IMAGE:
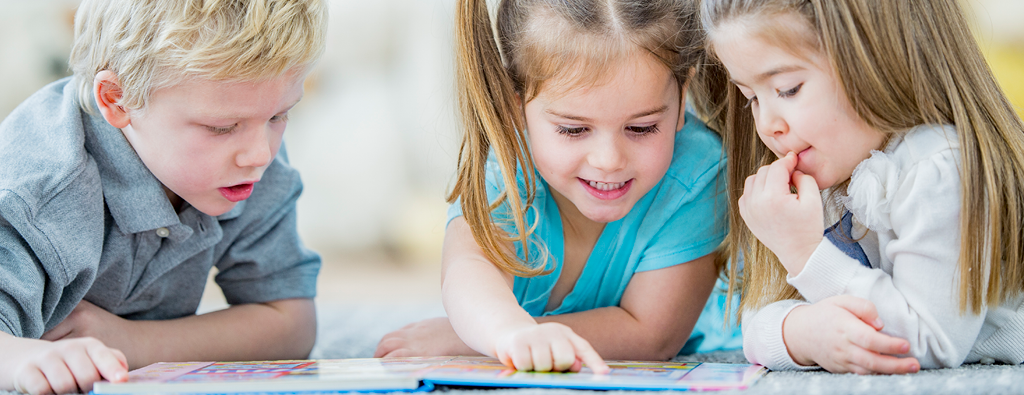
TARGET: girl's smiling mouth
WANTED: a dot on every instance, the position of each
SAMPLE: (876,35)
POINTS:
(605,190)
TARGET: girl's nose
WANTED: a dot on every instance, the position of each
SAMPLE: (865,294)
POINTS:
(607,154)
(770,123)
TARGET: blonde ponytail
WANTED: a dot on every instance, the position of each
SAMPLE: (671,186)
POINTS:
(492,118)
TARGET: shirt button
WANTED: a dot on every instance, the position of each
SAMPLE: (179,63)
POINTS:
(163,232)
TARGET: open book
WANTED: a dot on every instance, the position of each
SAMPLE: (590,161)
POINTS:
(419,374)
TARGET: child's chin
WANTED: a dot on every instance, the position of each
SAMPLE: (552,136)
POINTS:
(215,209)
(606,216)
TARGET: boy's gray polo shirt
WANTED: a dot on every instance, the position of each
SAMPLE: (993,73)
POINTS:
(81,217)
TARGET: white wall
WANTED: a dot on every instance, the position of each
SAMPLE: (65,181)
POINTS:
(376,136)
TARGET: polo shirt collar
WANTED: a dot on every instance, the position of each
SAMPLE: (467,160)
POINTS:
(135,198)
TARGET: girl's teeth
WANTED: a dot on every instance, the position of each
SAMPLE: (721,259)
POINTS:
(603,186)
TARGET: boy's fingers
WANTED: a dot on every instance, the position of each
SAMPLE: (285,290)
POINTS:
(121,358)
(588,355)
(83,370)
(59,377)
(32,381)
(110,363)
(861,308)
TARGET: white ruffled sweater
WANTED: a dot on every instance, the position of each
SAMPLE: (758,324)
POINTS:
(906,205)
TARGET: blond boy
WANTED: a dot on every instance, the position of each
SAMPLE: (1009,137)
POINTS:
(122,186)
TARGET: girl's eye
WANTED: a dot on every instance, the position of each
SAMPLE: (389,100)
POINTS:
(221,130)
(643,130)
(279,118)
(571,132)
(791,92)
(751,100)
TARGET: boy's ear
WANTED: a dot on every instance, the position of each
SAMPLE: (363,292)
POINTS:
(107,89)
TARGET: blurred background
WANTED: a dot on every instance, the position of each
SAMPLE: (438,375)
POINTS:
(376,136)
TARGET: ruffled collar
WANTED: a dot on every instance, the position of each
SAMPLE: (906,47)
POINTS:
(875,180)
(872,186)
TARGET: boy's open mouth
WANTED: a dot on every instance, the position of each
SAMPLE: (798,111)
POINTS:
(237,193)
(606,190)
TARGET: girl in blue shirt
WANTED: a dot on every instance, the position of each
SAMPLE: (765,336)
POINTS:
(589,204)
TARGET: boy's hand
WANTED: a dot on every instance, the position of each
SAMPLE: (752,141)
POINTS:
(430,337)
(547,347)
(841,334)
(65,366)
(791,225)
(89,320)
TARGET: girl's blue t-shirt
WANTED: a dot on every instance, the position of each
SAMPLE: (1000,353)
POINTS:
(682,218)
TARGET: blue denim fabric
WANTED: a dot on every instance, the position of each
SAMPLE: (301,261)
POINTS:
(843,240)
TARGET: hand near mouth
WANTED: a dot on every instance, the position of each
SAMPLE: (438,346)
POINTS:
(790,224)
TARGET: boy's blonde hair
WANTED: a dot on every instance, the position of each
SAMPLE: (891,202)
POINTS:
(151,44)
(901,63)
(574,42)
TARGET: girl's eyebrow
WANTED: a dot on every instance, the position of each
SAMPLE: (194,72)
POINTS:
(769,74)
(641,114)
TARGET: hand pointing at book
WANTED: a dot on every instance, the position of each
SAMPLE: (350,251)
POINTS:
(546,347)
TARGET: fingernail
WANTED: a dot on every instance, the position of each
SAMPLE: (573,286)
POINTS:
(914,368)
(878,323)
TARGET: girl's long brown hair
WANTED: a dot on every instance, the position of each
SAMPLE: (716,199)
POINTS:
(901,63)
(543,40)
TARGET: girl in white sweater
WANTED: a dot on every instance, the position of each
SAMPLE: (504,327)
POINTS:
(911,255)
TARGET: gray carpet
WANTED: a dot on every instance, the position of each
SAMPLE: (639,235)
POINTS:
(352,331)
